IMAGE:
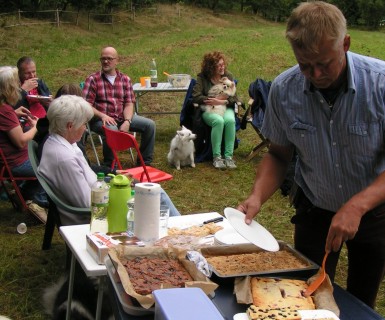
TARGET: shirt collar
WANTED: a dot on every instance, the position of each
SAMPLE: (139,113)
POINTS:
(73,147)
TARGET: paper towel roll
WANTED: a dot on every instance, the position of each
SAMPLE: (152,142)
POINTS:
(146,211)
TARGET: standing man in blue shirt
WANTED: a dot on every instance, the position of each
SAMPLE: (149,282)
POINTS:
(330,109)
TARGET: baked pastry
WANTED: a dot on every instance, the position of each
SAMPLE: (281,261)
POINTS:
(198,231)
(246,263)
(256,313)
(148,274)
(270,293)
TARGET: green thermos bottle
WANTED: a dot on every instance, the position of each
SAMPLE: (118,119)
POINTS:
(120,193)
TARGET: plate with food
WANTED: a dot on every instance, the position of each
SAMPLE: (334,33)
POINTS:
(240,260)
(282,298)
(38,97)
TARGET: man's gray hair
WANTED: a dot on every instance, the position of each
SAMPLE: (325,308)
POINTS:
(312,22)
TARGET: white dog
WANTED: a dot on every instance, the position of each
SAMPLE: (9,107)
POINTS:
(182,149)
(225,87)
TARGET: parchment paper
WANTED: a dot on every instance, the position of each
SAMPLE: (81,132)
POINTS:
(146,301)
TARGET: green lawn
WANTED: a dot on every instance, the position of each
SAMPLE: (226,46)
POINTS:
(254,48)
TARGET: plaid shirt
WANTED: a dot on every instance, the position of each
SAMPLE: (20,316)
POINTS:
(108,98)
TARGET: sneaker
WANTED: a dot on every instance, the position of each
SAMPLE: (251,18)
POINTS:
(230,163)
(219,163)
(37,211)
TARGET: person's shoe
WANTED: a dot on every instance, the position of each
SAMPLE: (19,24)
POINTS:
(218,163)
(37,211)
(230,163)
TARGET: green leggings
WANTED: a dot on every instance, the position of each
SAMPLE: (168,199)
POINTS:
(221,125)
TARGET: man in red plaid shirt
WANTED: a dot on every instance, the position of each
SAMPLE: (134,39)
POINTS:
(111,95)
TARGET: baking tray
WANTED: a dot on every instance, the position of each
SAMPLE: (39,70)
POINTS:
(125,300)
(310,269)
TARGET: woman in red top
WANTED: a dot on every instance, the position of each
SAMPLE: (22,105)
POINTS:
(13,140)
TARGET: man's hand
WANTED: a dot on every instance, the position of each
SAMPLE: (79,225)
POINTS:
(343,227)
(44,101)
(30,84)
(108,120)
(125,127)
(250,207)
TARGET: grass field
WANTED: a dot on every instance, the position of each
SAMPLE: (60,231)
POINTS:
(254,48)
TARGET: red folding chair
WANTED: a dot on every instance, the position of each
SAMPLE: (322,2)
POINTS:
(121,141)
(7,176)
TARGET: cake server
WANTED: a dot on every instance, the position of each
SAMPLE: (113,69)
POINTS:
(318,281)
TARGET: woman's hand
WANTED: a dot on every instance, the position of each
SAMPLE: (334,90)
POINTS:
(215,101)
(22,112)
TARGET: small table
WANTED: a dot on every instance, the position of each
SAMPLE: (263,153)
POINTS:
(139,91)
(75,238)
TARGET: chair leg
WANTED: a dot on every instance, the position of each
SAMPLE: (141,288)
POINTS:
(94,148)
(18,206)
(49,228)
(89,133)
(257,149)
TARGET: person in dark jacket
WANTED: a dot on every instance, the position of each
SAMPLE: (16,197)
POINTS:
(35,94)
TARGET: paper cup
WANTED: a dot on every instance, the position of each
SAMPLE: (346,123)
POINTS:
(22,228)
(148,83)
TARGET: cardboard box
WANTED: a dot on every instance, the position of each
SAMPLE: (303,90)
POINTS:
(98,243)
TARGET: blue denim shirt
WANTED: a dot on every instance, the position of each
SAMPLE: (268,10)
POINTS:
(341,151)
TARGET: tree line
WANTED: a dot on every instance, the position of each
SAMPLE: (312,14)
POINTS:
(367,13)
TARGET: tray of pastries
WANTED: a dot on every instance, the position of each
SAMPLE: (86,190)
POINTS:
(282,298)
(129,304)
(144,269)
(248,259)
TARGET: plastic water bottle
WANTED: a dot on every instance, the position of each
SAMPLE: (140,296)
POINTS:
(153,74)
(130,214)
(99,205)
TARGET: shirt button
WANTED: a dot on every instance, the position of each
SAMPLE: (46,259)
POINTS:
(302,135)
(337,165)
(334,143)
(331,121)
(340,186)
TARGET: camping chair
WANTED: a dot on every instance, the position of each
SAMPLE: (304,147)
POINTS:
(53,217)
(89,133)
(191,118)
(7,176)
(259,93)
(121,141)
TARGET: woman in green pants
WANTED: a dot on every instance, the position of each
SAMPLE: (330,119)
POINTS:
(213,69)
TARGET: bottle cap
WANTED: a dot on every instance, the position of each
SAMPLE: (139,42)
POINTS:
(21,228)
(100,175)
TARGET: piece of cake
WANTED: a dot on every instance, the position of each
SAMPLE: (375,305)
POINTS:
(257,313)
(270,293)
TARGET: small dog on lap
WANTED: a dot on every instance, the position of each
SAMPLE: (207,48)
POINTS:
(225,87)
(182,149)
